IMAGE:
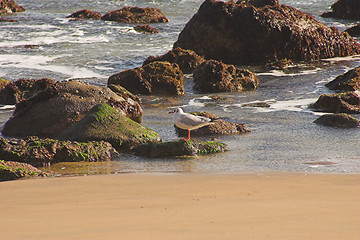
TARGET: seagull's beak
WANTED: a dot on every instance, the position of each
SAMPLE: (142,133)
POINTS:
(172,111)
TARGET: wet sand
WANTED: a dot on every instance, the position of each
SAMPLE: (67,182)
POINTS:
(182,206)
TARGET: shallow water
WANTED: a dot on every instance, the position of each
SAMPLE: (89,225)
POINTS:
(46,44)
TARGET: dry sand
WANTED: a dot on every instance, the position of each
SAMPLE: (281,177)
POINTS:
(182,206)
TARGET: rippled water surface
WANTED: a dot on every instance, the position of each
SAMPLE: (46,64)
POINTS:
(43,43)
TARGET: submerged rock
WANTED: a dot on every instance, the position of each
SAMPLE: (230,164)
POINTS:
(354,31)
(42,152)
(179,148)
(338,103)
(187,60)
(349,81)
(214,76)
(22,89)
(9,6)
(154,78)
(10,170)
(338,120)
(240,33)
(145,29)
(85,14)
(344,9)
(219,127)
(106,123)
(50,111)
(136,15)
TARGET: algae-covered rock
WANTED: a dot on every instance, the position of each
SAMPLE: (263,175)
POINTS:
(85,14)
(145,29)
(338,103)
(215,76)
(62,104)
(187,60)
(9,6)
(338,120)
(10,170)
(219,127)
(136,15)
(42,152)
(154,78)
(106,123)
(349,81)
(179,148)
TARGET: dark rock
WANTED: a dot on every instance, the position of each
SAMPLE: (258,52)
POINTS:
(280,64)
(262,3)
(338,103)
(154,78)
(9,6)
(85,14)
(344,9)
(136,15)
(123,92)
(354,31)
(42,152)
(239,33)
(106,123)
(219,127)
(214,76)
(187,60)
(7,20)
(338,120)
(349,81)
(22,89)
(10,170)
(50,111)
(145,29)
(179,148)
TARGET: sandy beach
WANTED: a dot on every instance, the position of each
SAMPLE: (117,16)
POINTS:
(182,206)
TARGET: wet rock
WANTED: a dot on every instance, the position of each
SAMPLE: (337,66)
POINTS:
(22,89)
(344,9)
(338,103)
(349,81)
(50,111)
(187,60)
(42,152)
(214,76)
(262,3)
(179,148)
(280,64)
(85,14)
(219,127)
(354,31)
(239,33)
(106,123)
(338,120)
(7,20)
(10,170)
(9,6)
(136,15)
(145,29)
(154,78)
(123,92)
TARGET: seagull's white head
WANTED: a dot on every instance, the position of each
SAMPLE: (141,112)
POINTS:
(177,110)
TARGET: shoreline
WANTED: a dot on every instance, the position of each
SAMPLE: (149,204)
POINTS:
(269,205)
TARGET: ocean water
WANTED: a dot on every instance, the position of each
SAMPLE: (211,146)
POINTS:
(43,43)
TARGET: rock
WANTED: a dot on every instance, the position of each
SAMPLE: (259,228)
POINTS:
(354,31)
(349,81)
(22,89)
(239,33)
(106,123)
(187,60)
(280,64)
(338,103)
(179,148)
(219,127)
(338,120)
(154,78)
(9,6)
(344,9)
(50,111)
(145,29)
(136,15)
(121,91)
(42,152)
(214,76)
(262,3)
(85,14)
(10,170)
(7,20)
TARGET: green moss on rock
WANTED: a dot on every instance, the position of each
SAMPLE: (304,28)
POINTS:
(10,170)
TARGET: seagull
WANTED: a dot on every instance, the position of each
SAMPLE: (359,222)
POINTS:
(188,121)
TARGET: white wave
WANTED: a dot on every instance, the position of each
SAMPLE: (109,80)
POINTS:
(44,63)
(279,73)
(339,59)
(7,107)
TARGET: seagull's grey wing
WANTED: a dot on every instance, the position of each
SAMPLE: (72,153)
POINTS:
(186,121)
